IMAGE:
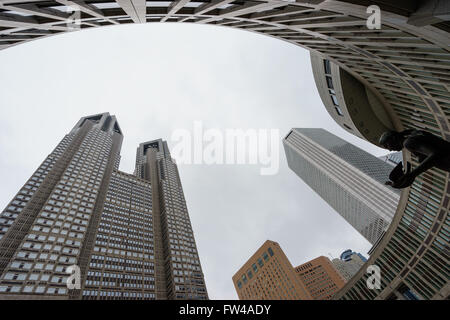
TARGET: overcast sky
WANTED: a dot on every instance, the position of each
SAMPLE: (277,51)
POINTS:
(157,78)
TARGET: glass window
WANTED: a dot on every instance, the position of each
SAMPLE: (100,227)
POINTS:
(329,82)
(34,276)
(339,111)
(326,66)
(10,276)
(334,99)
(40,289)
(28,289)
(347,127)
(260,262)
(270,251)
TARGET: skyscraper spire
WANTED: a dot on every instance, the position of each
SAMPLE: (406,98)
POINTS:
(349,179)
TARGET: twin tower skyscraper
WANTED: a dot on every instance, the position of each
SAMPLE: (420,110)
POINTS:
(129,234)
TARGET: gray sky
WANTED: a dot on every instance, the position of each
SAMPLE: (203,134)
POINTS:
(160,77)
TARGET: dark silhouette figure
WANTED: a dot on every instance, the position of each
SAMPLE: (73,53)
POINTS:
(431,151)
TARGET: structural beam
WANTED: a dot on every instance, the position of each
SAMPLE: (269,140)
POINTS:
(208,7)
(86,8)
(430,12)
(15,21)
(242,10)
(136,9)
(176,5)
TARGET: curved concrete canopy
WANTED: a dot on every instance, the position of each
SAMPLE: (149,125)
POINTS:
(405,63)
(349,102)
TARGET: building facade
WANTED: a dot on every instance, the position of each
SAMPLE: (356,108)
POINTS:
(129,235)
(349,179)
(268,275)
(320,278)
(349,264)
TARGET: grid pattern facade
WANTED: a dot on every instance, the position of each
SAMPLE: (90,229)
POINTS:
(415,248)
(349,179)
(53,239)
(268,275)
(9,215)
(320,278)
(122,263)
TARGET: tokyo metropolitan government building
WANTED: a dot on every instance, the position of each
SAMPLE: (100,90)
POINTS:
(129,234)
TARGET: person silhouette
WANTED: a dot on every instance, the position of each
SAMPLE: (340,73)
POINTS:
(432,151)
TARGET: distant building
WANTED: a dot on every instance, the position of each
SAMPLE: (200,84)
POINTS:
(393,158)
(320,278)
(349,263)
(268,275)
(347,255)
(349,179)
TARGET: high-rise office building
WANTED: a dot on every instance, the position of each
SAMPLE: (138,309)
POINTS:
(130,235)
(320,278)
(349,263)
(349,179)
(268,275)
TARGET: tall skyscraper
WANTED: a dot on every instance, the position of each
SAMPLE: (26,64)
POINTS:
(349,179)
(349,263)
(268,275)
(130,235)
(320,278)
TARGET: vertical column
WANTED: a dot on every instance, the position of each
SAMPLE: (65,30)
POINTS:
(151,173)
